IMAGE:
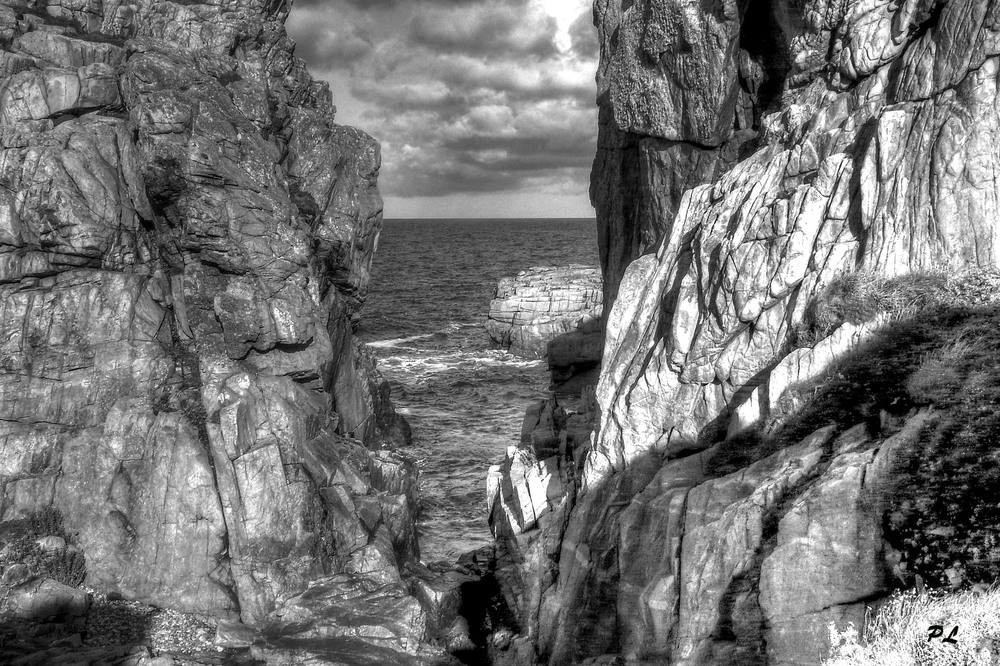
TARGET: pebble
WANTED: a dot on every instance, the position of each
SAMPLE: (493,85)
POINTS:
(115,621)
(120,633)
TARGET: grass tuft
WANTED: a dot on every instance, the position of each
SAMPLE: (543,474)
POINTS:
(860,296)
(940,347)
(897,633)
(18,547)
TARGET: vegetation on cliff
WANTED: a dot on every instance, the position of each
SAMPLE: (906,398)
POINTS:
(899,633)
(937,348)
(41,546)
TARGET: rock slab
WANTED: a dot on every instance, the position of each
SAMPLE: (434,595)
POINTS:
(539,305)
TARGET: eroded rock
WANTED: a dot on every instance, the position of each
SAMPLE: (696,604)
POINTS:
(185,236)
(46,599)
(541,304)
(749,159)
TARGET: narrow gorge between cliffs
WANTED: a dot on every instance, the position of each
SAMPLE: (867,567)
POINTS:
(247,421)
(465,398)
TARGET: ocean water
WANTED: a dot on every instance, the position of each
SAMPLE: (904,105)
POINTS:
(431,285)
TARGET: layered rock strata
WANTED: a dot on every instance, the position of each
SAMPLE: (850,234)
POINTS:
(542,304)
(185,237)
(555,314)
(751,158)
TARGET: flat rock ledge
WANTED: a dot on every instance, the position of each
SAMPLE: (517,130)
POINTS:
(552,313)
(341,619)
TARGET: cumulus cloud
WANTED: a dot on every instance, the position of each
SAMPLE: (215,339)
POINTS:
(489,30)
(465,96)
(583,36)
(327,43)
(332,46)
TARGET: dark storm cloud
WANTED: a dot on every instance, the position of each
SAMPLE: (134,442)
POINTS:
(524,82)
(453,83)
(491,149)
(320,42)
(381,4)
(427,179)
(409,98)
(584,36)
(526,152)
(368,4)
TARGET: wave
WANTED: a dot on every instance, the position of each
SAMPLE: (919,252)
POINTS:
(434,360)
(395,342)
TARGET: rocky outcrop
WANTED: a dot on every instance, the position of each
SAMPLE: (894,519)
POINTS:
(751,160)
(185,236)
(528,497)
(574,358)
(555,314)
(540,305)
(536,473)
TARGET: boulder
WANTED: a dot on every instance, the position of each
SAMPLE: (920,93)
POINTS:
(574,358)
(447,593)
(535,475)
(351,606)
(229,634)
(521,489)
(46,599)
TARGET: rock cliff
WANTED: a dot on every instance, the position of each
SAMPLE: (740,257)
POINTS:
(185,238)
(795,200)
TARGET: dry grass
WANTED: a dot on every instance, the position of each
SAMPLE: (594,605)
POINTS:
(18,546)
(897,633)
(861,296)
(940,347)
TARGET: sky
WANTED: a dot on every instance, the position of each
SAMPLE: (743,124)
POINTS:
(483,108)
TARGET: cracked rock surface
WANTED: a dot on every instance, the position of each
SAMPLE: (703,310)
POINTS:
(540,304)
(751,155)
(185,242)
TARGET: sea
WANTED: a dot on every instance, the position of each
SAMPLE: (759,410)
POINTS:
(430,291)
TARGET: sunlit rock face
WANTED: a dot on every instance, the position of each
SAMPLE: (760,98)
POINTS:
(541,304)
(750,155)
(185,238)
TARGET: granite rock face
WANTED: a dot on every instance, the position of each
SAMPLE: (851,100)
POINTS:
(185,237)
(750,156)
(539,305)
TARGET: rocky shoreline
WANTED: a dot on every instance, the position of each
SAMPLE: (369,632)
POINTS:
(337,620)
(796,412)
(789,268)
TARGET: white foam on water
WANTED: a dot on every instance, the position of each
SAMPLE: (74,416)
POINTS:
(500,357)
(431,362)
(385,344)
(422,366)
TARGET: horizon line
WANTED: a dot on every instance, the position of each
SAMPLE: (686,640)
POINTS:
(522,217)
